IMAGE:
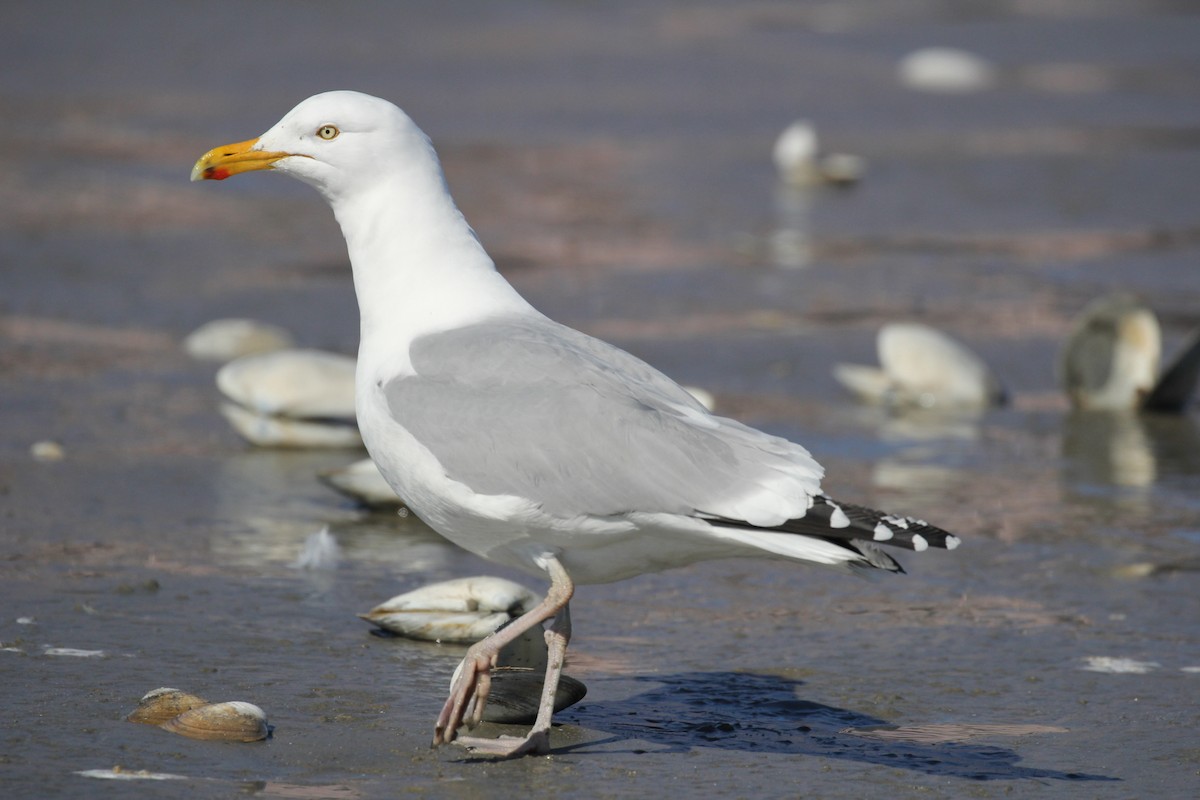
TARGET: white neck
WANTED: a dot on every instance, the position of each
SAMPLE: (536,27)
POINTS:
(418,267)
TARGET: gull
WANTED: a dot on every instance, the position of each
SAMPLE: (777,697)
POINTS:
(522,440)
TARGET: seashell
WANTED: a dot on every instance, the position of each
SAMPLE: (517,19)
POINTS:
(47,450)
(363,482)
(307,384)
(703,397)
(269,431)
(946,69)
(460,610)
(516,693)
(227,339)
(800,162)
(232,721)
(921,366)
(160,705)
(1110,359)
(291,398)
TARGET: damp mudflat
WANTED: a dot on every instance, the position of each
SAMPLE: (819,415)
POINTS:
(615,159)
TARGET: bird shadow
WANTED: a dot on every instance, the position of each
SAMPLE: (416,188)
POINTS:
(762,714)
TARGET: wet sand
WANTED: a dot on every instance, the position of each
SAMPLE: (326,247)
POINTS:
(616,161)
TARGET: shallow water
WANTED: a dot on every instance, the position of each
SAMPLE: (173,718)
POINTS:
(615,160)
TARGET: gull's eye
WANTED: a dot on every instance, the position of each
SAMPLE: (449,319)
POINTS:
(328,132)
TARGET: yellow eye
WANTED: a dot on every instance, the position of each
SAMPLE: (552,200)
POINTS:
(328,132)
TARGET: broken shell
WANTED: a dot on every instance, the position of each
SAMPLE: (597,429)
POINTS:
(516,693)
(232,721)
(160,705)
(460,610)
(225,339)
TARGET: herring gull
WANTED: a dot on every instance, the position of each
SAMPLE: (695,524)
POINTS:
(522,440)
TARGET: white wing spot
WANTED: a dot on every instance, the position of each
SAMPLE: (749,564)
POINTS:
(952,542)
(838,518)
(919,542)
(883,532)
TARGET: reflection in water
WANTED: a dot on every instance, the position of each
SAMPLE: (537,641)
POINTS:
(1128,451)
(925,436)
(1109,449)
(270,503)
(791,242)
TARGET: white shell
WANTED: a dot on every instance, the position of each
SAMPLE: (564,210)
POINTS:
(225,339)
(232,721)
(292,383)
(921,366)
(460,610)
(516,694)
(1110,360)
(159,705)
(945,69)
(799,161)
(362,481)
(272,431)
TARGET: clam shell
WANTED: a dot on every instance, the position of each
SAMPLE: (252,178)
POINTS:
(268,431)
(292,383)
(1110,360)
(232,721)
(460,610)
(516,693)
(225,339)
(160,705)
(921,366)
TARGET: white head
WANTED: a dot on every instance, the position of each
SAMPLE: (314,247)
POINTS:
(335,142)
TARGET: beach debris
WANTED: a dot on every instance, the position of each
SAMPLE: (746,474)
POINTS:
(119,773)
(946,69)
(162,704)
(1110,361)
(800,162)
(291,398)
(516,692)
(458,610)
(1116,665)
(231,721)
(227,339)
(47,450)
(189,715)
(363,482)
(923,367)
(72,652)
(320,552)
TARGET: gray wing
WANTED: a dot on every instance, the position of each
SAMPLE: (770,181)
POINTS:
(538,410)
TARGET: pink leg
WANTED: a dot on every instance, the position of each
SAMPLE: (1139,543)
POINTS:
(474,678)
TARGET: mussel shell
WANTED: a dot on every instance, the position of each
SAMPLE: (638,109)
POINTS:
(517,692)
(232,721)
(160,705)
